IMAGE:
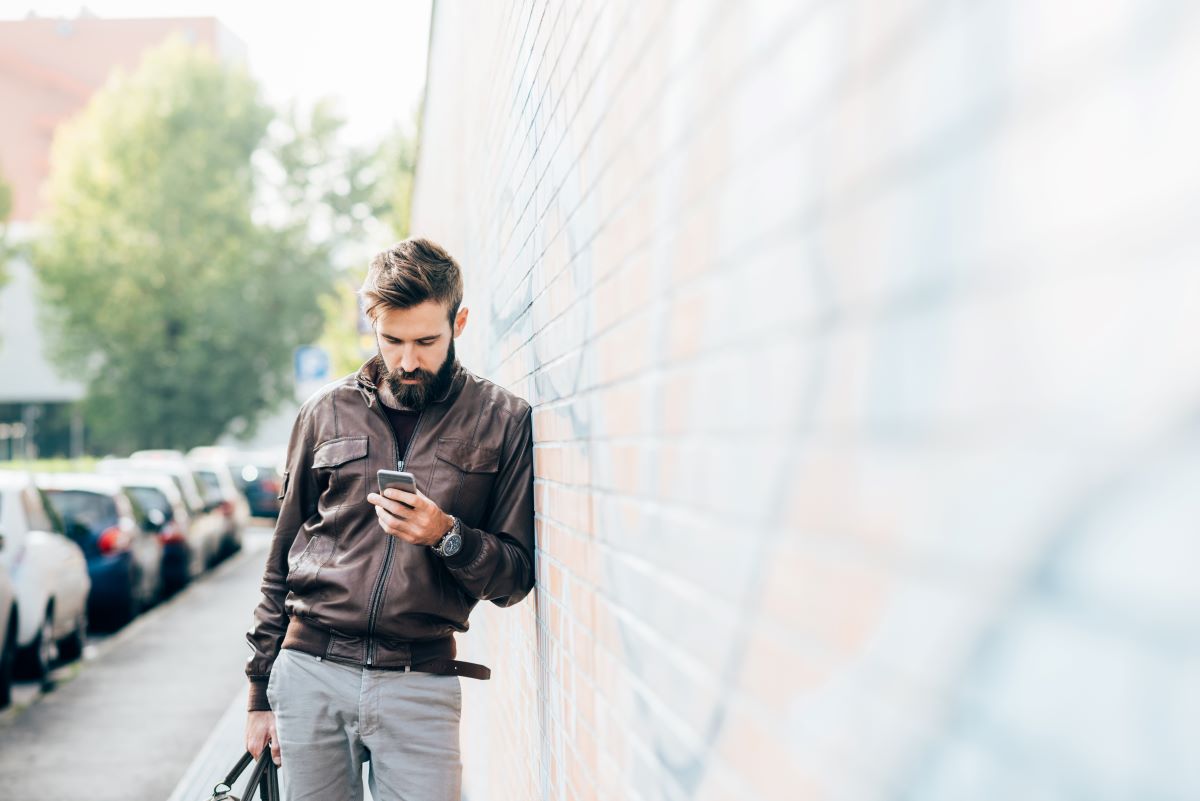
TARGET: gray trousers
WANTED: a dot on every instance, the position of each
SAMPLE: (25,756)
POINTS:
(331,718)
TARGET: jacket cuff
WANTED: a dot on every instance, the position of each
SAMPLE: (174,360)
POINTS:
(471,546)
(258,696)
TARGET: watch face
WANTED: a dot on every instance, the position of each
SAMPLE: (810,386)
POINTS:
(452,544)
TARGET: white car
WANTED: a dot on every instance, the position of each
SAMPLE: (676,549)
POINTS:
(184,545)
(49,576)
(216,479)
(206,527)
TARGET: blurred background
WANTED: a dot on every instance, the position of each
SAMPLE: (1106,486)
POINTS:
(861,337)
(188,200)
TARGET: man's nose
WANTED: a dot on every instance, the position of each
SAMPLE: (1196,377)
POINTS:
(408,360)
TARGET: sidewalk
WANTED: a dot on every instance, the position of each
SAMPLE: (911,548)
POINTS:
(132,720)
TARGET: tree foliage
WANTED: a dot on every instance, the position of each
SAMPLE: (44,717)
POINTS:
(5,210)
(190,239)
(384,187)
(398,164)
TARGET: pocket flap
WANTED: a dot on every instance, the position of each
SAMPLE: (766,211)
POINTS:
(467,457)
(339,451)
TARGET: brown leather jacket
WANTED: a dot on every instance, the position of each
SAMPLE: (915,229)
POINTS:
(337,585)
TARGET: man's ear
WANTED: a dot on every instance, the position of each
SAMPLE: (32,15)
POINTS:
(460,321)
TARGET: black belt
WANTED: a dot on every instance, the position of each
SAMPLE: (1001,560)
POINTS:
(380,653)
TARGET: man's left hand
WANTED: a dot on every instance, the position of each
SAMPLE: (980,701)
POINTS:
(423,524)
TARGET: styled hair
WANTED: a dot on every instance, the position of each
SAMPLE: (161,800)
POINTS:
(409,273)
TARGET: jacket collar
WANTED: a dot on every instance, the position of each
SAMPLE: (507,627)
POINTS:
(368,379)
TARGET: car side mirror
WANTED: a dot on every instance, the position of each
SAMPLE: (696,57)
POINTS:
(156,518)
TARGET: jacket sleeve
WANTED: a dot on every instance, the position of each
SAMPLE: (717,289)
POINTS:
(299,501)
(496,562)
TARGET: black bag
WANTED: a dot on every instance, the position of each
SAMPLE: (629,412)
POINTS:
(265,776)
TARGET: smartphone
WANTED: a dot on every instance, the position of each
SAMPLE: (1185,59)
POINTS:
(397,479)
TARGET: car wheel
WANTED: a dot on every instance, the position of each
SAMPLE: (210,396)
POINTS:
(71,648)
(34,662)
(8,650)
(173,583)
(127,608)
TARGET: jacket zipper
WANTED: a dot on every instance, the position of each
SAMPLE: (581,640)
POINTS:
(377,595)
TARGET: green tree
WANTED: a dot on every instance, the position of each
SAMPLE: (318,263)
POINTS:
(382,200)
(183,259)
(5,210)
(346,347)
(398,164)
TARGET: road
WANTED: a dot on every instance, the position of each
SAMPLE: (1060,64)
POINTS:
(127,722)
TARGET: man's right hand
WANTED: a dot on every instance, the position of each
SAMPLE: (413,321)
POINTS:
(260,730)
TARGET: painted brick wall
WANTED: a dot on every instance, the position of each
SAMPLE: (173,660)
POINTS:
(864,343)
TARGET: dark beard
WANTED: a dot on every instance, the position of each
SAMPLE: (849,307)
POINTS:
(432,385)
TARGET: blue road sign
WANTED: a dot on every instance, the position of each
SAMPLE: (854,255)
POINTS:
(311,364)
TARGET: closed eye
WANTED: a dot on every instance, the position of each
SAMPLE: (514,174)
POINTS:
(427,341)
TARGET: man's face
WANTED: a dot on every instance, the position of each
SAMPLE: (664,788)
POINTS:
(417,349)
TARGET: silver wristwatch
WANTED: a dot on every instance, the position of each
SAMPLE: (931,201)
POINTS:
(450,543)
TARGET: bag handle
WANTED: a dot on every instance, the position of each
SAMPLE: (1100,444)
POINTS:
(268,790)
(263,777)
(232,776)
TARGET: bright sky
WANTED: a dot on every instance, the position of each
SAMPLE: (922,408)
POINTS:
(368,54)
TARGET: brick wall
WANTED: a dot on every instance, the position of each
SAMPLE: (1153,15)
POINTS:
(864,343)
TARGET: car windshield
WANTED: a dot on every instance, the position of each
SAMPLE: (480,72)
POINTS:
(211,483)
(187,497)
(92,510)
(149,498)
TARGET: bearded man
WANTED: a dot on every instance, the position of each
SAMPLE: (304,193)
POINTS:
(353,639)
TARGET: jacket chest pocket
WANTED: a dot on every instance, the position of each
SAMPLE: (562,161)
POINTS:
(466,474)
(341,466)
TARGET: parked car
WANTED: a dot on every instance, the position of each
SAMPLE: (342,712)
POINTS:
(217,482)
(207,525)
(260,478)
(124,562)
(49,576)
(8,629)
(258,475)
(164,514)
